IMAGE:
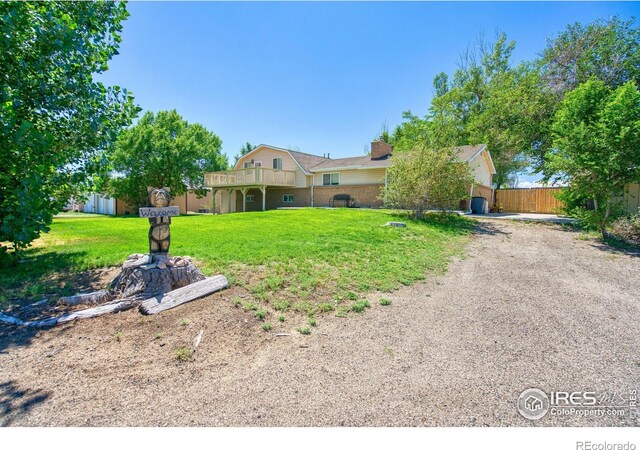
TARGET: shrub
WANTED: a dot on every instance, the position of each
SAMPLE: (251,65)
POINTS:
(260,314)
(266,326)
(312,321)
(304,330)
(385,301)
(627,229)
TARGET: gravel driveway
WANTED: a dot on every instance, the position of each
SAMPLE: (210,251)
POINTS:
(529,306)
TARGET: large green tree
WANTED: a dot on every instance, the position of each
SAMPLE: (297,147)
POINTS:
(56,120)
(608,50)
(487,101)
(596,146)
(163,150)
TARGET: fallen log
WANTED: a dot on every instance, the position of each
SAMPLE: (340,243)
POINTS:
(182,295)
(112,307)
(92,298)
(10,320)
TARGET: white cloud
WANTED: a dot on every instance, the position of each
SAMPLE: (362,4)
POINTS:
(529,184)
(532,184)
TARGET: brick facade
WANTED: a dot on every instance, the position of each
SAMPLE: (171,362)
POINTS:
(255,205)
(362,195)
(365,195)
(301,197)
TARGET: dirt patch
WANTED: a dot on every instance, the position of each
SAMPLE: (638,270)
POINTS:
(528,306)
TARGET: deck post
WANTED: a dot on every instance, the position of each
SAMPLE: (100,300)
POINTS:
(263,189)
(244,199)
(229,191)
(213,201)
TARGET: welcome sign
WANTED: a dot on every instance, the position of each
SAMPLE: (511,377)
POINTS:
(167,211)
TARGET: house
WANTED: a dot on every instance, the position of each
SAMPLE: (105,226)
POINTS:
(100,204)
(270,177)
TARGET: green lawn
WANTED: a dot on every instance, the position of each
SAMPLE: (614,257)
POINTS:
(292,259)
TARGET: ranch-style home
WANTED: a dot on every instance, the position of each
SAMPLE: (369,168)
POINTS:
(270,177)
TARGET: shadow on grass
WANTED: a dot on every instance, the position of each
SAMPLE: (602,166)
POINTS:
(37,274)
(451,223)
(15,402)
(616,247)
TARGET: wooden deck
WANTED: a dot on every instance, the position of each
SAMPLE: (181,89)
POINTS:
(255,176)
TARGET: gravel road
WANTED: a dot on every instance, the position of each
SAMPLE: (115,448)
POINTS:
(528,306)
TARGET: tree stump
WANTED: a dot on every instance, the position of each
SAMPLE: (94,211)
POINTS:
(142,277)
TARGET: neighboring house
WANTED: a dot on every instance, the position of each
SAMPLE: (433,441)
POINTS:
(270,177)
(100,204)
(186,203)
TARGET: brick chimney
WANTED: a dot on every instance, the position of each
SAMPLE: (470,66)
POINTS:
(380,150)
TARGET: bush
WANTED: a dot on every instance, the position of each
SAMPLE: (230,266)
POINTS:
(627,228)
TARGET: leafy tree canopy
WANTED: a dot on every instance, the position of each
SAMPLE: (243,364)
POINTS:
(596,145)
(487,101)
(605,49)
(163,150)
(56,121)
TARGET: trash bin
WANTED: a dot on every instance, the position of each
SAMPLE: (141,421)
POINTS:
(478,205)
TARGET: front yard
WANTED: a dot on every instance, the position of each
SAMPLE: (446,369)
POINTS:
(288,260)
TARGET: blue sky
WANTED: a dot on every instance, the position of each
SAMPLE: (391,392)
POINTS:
(318,77)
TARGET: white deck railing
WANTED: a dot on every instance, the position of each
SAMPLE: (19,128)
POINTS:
(251,177)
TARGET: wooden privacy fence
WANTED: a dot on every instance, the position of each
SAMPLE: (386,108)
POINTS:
(529,200)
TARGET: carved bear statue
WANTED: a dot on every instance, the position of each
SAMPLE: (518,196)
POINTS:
(159,237)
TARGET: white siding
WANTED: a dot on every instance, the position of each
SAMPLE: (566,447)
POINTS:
(301,178)
(481,170)
(355,177)
(99,204)
(266,155)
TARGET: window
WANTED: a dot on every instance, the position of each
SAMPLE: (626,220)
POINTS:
(251,198)
(277,163)
(251,164)
(330,179)
(287,198)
